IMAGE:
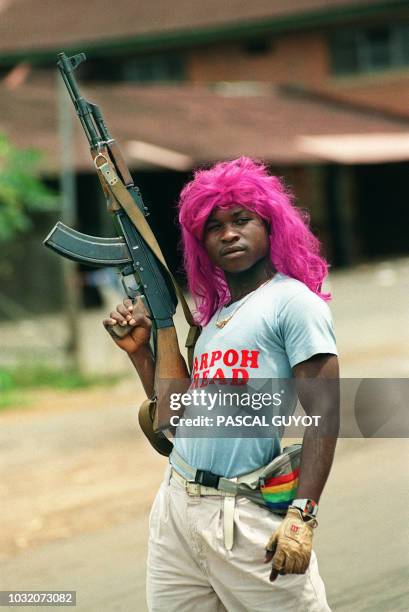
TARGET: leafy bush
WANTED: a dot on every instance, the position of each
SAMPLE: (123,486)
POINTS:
(21,191)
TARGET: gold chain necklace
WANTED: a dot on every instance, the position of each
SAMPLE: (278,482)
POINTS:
(220,324)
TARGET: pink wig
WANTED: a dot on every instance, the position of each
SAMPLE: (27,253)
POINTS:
(294,250)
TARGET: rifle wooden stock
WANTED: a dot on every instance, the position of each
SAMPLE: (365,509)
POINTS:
(169,361)
(170,365)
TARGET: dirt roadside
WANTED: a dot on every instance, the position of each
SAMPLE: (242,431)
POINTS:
(73,462)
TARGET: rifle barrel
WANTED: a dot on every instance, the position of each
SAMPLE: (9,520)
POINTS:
(84,109)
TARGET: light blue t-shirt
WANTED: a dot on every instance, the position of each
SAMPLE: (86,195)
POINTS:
(276,327)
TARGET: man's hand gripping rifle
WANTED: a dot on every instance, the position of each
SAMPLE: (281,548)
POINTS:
(136,253)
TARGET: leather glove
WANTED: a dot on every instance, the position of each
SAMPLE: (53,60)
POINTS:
(290,545)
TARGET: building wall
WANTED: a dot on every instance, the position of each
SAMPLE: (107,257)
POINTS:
(282,62)
(302,58)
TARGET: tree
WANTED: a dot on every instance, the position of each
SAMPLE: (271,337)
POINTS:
(21,191)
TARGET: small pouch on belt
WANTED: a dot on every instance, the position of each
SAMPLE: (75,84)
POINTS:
(279,480)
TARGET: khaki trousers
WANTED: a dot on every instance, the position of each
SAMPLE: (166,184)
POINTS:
(190,570)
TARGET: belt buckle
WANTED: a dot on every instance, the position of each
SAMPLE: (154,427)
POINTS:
(192,488)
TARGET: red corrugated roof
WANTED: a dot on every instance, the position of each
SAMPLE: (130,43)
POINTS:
(194,121)
(52,24)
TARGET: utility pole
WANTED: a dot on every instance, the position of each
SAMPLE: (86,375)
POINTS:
(72,295)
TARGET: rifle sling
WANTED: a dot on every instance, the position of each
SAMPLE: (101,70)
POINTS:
(125,200)
(146,418)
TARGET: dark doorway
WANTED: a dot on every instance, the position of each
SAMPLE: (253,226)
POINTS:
(160,192)
(382,209)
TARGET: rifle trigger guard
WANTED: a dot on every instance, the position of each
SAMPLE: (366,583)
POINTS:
(107,171)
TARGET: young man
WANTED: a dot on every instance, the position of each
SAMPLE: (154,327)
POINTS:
(254,270)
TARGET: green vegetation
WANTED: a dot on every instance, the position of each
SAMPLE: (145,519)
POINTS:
(17,382)
(21,191)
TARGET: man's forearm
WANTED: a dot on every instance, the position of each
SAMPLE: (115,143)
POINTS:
(144,364)
(317,381)
(316,461)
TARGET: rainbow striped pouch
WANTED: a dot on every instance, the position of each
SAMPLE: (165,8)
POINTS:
(279,480)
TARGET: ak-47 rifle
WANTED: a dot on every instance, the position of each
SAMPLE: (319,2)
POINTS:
(136,253)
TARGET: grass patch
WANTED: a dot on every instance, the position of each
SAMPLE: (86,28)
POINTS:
(16,381)
(11,399)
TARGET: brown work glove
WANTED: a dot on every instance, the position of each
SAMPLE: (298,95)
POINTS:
(290,545)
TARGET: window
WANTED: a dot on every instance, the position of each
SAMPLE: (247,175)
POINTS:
(355,51)
(257,46)
(141,69)
(159,68)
